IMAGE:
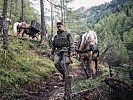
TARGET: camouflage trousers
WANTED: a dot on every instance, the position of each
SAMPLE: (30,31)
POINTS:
(58,63)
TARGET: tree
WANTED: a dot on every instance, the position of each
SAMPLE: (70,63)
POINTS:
(5,30)
(11,3)
(52,18)
(43,29)
(22,10)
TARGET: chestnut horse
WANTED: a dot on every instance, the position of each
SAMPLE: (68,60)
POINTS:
(88,53)
(23,27)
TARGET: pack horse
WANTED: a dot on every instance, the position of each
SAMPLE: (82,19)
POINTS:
(32,29)
(88,53)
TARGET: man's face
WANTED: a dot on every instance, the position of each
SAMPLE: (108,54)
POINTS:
(60,27)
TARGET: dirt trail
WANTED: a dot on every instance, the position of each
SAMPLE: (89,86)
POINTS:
(52,90)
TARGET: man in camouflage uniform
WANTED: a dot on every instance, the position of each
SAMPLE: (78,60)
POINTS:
(63,40)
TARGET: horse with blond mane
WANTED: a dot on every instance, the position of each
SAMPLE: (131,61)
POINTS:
(89,53)
(23,28)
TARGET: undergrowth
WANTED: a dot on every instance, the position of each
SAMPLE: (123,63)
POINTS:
(21,65)
(119,72)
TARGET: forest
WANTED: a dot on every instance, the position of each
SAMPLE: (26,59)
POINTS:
(27,71)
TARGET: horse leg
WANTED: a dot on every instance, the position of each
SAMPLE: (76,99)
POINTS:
(92,64)
(94,69)
(86,67)
(81,47)
(96,64)
(23,34)
(95,59)
(18,33)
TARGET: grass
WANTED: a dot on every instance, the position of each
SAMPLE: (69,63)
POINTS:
(88,83)
(121,73)
(20,65)
(85,84)
(75,62)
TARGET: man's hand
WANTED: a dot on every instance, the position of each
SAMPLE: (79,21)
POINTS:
(52,57)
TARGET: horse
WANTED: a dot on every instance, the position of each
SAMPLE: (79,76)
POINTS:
(23,27)
(88,55)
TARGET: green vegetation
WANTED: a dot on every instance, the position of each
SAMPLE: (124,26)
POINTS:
(85,84)
(88,83)
(29,12)
(21,65)
(115,38)
(113,25)
(121,72)
(75,62)
(116,30)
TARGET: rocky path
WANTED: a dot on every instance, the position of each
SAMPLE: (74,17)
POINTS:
(53,91)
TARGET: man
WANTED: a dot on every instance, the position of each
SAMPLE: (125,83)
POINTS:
(63,40)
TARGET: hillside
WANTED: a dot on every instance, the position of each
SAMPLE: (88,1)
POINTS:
(23,67)
(113,24)
(116,30)
(94,14)
(27,73)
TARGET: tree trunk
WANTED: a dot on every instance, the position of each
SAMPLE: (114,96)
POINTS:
(61,11)
(43,31)
(4,26)
(22,8)
(11,3)
(52,18)
(64,12)
(16,1)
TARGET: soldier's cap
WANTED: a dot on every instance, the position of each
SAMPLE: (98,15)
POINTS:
(59,23)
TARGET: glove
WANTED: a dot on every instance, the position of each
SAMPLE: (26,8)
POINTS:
(52,57)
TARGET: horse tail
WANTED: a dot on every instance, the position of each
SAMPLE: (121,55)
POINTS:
(15,28)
